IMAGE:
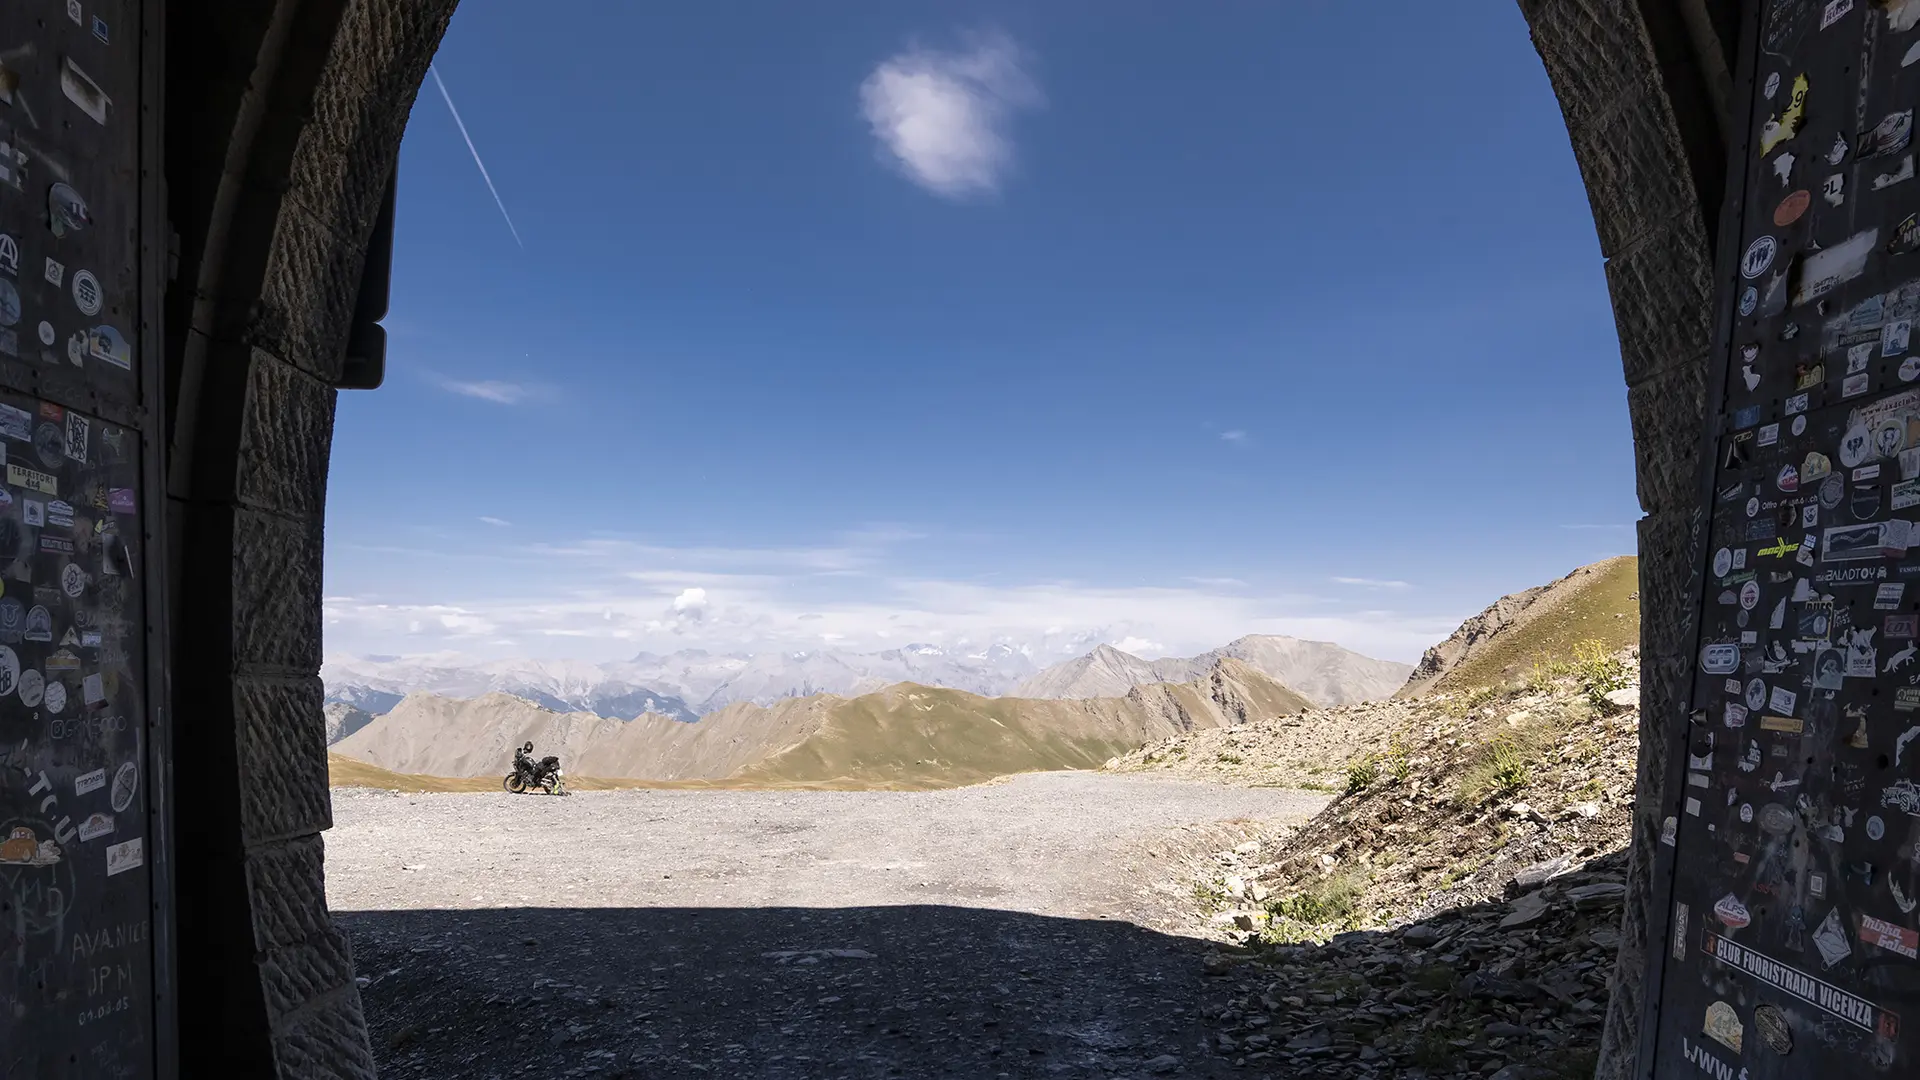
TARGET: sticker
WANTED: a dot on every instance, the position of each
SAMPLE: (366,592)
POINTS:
(1756,694)
(1680,911)
(1782,701)
(1887,598)
(1795,204)
(1827,269)
(1769,434)
(1854,385)
(87,783)
(1797,404)
(1731,912)
(73,11)
(100,30)
(1895,337)
(1720,659)
(126,780)
(1787,479)
(1749,300)
(1817,886)
(1779,129)
(9,303)
(1693,806)
(1772,86)
(1834,11)
(77,428)
(1749,595)
(86,290)
(1865,473)
(1855,445)
(1800,427)
(1831,939)
(1759,257)
(66,211)
(124,856)
(1783,167)
(73,580)
(1834,189)
(1722,562)
(19,476)
(96,826)
(55,699)
(1815,466)
(23,848)
(1723,1026)
(1889,136)
(1753,506)
(120,500)
(93,689)
(1888,179)
(1876,828)
(85,93)
(106,343)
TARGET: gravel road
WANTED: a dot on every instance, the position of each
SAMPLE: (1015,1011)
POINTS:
(992,931)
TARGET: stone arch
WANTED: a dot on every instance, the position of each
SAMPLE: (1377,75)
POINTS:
(283,125)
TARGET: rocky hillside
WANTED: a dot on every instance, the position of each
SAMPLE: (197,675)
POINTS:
(1453,911)
(1322,672)
(906,735)
(1599,602)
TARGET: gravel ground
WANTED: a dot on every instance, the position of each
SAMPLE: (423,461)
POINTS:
(991,931)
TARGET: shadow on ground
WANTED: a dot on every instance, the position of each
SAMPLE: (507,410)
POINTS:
(780,994)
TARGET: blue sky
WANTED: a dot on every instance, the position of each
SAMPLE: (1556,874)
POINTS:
(1054,324)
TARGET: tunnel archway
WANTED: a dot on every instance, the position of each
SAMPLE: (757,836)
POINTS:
(283,125)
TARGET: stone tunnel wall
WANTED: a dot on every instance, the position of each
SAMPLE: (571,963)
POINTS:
(1643,88)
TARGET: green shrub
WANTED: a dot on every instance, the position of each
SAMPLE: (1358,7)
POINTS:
(1362,773)
(1599,672)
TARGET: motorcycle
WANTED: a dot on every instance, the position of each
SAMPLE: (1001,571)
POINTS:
(528,774)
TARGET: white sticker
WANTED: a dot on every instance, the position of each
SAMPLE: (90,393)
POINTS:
(86,783)
(1782,701)
(1835,189)
(86,292)
(56,697)
(1693,806)
(1722,562)
(1800,423)
(1772,86)
(1835,10)
(126,780)
(1759,256)
(92,691)
(54,272)
(126,855)
(96,826)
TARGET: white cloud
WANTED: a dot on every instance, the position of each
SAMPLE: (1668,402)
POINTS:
(1236,437)
(942,117)
(690,600)
(494,390)
(1372,583)
(1139,646)
(496,522)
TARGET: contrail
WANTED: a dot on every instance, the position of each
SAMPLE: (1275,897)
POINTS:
(448,98)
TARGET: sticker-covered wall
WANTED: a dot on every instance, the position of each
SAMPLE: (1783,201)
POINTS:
(76,893)
(1792,945)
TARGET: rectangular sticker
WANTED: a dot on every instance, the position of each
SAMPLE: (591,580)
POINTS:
(32,479)
(1889,936)
(90,782)
(126,855)
(1680,931)
(1822,995)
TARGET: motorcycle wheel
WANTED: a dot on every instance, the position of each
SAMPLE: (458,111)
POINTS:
(516,784)
(550,784)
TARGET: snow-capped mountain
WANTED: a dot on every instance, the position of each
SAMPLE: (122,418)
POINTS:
(684,685)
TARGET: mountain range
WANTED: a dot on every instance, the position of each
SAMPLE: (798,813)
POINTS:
(906,735)
(693,683)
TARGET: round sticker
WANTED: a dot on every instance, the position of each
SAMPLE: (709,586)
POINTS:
(1756,695)
(1722,562)
(1876,828)
(1759,256)
(1753,505)
(46,332)
(1791,208)
(9,303)
(56,697)
(1814,466)
(1772,87)
(1776,820)
(73,580)
(50,445)
(86,292)
(126,780)
(1749,300)
(1854,445)
(9,671)
(1746,812)
(33,687)
(1749,595)
(1788,479)
(1910,369)
(1800,424)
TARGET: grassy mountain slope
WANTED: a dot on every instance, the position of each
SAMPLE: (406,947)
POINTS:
(1596,603)
(904,736)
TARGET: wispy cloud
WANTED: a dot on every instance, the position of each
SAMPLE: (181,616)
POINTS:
(495,390)
(1373,583)
(598,598)
(496,522)
(475,151)
(1235,436)
(943,117)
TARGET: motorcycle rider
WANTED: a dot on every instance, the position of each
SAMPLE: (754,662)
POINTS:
(523,759)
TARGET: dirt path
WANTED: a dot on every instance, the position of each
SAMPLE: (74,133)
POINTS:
(992,931)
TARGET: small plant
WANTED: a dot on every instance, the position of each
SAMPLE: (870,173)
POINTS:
(1326,905)
(1479,696)
(1505,769)
(1210,895)
(1599,672)
(1227,758)
(1362,773)
(1399,765)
